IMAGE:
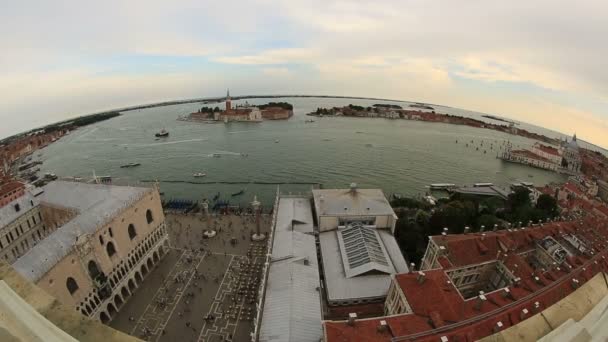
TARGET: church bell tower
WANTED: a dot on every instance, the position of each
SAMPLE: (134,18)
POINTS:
(228,102)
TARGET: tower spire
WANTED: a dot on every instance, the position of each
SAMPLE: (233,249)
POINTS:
(228,93)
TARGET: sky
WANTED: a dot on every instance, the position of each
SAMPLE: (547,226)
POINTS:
(539,61)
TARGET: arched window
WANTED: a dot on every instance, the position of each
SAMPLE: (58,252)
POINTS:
(71,285)
(110,231)
(149,216)
(101,240)
(93,269)
(132,233)
(110,249)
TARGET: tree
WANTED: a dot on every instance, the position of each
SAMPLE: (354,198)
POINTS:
(519,198)
(547,204)
(488,221)
(455,216)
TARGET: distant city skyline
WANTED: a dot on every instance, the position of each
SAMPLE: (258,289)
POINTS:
(530,61)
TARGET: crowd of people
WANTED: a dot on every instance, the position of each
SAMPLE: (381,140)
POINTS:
(198,271)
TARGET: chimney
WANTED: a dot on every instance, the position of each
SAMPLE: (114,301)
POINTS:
(412,266)
(498,326)
(353,188)
(467,229)
(480,299)
(483,235)
(352,317)
(523,314)
(383,326)
(495,227)
(482,228)
(444,339)
(506,293)
(421,277)
(575,283)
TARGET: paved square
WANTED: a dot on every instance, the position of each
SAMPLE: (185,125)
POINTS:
(203,289)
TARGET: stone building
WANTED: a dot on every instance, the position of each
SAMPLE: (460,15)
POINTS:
(471,286)
(110,237)
(358,251)
(21,226)
(571,156)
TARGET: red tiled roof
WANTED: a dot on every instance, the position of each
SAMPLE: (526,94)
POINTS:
(573,188)
(10,186)
(439,310)
(433,295)
(548,149)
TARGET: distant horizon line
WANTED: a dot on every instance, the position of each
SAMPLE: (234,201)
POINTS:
(241,97)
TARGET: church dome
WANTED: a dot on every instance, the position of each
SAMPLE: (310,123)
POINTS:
(573,144)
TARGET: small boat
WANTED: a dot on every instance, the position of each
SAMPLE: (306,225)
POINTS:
(216,155)
(162,134)
(130,165)
(276,141)
(442,186)
(244,155)
(309,121)
(50,176)
(238,193)
(369,145)
(199,174)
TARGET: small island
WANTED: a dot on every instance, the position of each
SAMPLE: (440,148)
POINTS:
(242,113)
(395,112)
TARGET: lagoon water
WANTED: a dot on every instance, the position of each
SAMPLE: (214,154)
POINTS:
(399,156)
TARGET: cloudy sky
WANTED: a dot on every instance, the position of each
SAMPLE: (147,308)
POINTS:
(539,61)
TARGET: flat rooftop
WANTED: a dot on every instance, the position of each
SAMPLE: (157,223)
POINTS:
(95,205)
(483,191)
(361,202)
(292,305)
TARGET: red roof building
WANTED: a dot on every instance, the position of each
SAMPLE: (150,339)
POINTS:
(10,190)
(474,285)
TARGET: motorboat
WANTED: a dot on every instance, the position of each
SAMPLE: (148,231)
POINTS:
(199,174)
(130,165)
(216,155)
(50,176)
(238,193)
(162,134)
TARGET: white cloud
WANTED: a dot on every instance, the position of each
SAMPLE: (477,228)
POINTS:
(56,54)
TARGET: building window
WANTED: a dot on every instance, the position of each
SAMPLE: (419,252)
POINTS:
(132,233)
(149,216)
(93,269)
(110,231)
(71,285)
(17,207)
(110,249)
(101,240)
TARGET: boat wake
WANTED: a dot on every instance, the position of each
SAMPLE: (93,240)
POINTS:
(164,143)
